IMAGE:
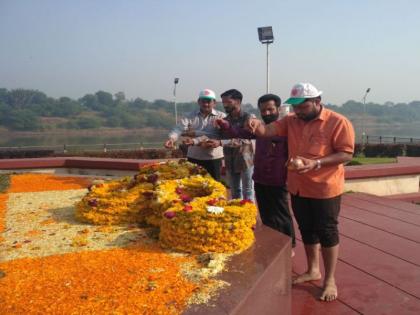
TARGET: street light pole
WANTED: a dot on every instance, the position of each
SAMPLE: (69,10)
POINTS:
(265,36)
(176,80)
(268,71)
(364,115)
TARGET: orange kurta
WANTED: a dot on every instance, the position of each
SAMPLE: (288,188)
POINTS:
(329,133)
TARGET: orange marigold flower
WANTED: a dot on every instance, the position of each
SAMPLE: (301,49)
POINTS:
(97,282)
(44,182)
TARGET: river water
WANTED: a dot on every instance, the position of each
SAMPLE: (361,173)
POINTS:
(156,138)
(145,139)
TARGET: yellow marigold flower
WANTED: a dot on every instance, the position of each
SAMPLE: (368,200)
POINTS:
(186,192)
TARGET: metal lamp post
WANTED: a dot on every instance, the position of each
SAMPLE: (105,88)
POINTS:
(364,115)
(265,35)
(176,80)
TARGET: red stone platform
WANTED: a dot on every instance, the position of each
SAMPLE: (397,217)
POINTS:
(75,162)
(404,166)
(413,197)
(378,271)
(259,278)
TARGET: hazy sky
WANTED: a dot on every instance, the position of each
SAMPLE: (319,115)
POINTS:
(74,47)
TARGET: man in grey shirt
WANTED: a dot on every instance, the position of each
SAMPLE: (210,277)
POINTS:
(199,127)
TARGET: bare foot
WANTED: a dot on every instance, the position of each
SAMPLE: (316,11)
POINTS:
(329,292)
(307,276)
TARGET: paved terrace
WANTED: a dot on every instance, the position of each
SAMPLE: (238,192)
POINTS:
(379,265)
(378,271)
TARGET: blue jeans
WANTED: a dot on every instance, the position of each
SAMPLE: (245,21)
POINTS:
(244,191)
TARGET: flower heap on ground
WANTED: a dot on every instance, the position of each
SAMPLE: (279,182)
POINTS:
(180,198)
(4,184)
(139,278)
(129,200)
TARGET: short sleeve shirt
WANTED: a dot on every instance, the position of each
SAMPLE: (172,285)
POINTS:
(203,126)
(329,133)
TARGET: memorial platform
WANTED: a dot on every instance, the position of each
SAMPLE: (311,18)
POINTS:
(378,271)
(385,179)
(259,278)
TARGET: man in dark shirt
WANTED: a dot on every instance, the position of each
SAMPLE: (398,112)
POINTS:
(239,153)
(269,168)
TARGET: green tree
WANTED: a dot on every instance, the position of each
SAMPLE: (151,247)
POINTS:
(19,98)
(119,98)
(23,119)
(3,95)
(66,107)
(88,122)
(162,104)
(4,113)
(130,120)
(104,98)
(352,107)
(113,122)
(90,101)
(140,103)
(159,119)
(39,98)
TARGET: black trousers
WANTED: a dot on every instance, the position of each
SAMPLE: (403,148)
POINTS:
(211,166)
(317,219)
(274,208)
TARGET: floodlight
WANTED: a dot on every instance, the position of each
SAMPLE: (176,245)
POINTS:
(265,34)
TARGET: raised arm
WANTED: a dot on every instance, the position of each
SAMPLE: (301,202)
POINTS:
(259,129)
(227,131)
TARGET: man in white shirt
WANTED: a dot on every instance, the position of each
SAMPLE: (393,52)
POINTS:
(199,125)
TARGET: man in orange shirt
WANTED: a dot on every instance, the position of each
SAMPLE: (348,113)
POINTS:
(319,142)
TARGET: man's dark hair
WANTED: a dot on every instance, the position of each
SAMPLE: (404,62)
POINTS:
(269,97)
(232,93)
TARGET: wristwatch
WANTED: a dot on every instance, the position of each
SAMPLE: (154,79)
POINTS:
(318,164)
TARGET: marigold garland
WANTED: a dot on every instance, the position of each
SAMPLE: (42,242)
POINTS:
(195,191)
(176,197)
(129,200)
(199,231)
(114,203)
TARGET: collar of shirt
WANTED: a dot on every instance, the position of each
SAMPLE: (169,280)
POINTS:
(241,114)
(213,113)
(322,114)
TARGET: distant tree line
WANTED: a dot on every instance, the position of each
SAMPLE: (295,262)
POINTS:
(32,110)
(386,113)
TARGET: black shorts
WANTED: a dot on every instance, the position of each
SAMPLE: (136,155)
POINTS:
(273,205)
(317,219)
